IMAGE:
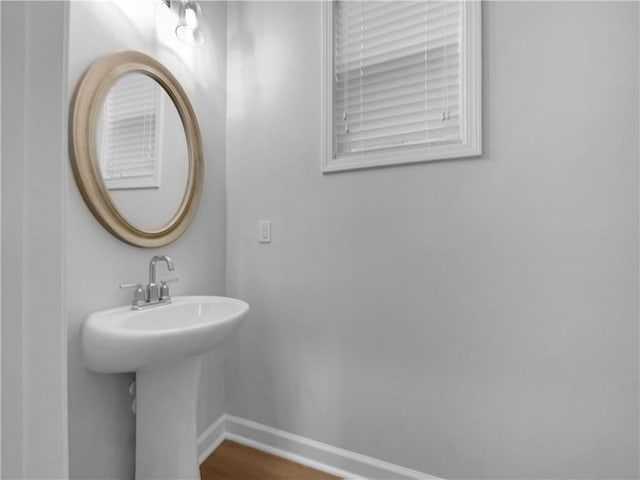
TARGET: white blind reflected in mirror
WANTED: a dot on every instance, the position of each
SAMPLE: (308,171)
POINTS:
(130,141)
(397,68)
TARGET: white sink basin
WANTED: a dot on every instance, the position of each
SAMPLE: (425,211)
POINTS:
(124,340)
(163,345)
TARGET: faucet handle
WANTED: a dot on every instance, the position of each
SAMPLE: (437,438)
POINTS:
(138,296)
(164,288)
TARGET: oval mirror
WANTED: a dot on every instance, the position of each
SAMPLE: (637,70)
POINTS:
(136,149)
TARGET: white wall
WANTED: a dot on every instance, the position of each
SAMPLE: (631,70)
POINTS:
(470,319)
(101,425)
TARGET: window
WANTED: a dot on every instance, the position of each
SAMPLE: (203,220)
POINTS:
(130,139)
(402,82)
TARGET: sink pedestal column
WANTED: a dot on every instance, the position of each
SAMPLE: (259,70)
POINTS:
(166,430)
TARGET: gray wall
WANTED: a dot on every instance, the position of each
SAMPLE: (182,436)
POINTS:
(101,425)
(13,61)
(34,390)
(469,319)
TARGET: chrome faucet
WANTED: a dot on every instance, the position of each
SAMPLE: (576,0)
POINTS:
(153,294)
(150,294)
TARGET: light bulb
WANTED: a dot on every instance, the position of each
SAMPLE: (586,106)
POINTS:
(190,17)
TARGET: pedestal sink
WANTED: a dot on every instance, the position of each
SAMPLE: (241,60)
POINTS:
(163,345)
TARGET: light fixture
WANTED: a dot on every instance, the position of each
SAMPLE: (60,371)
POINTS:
(188,29)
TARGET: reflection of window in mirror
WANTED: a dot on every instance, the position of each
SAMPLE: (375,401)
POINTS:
(131,123)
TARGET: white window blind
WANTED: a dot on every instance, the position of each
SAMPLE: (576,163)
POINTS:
(131,138)
(399,81)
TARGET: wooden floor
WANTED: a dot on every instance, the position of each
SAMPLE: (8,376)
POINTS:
(233,461)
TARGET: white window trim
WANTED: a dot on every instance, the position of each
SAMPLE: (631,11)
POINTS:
(150,180)
(471,144)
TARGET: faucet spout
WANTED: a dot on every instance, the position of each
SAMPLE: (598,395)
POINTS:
(152,266)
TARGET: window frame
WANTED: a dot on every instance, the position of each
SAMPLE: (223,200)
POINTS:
(471,126)
(152,177)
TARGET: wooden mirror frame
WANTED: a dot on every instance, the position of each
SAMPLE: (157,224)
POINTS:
(86,105)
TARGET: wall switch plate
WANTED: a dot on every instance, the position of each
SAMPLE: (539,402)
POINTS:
(264,231)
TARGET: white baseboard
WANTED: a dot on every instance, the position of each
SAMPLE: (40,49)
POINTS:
(211,438)
(327,458)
